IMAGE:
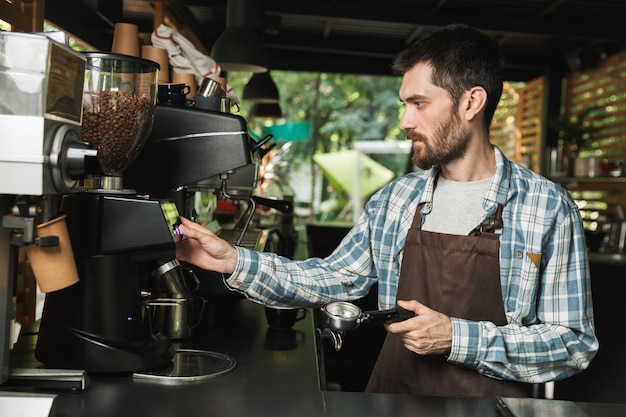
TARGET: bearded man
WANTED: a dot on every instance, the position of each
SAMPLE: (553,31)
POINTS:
(488,255)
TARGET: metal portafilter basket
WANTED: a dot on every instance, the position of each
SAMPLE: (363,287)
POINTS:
(341,316)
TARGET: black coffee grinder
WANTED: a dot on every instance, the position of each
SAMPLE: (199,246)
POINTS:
(119,235)
(101,323)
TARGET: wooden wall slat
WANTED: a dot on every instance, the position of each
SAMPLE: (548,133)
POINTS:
(604,88)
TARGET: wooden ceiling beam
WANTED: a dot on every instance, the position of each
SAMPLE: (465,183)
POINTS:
(23,15)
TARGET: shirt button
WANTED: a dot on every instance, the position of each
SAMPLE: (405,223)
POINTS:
(427,205)
(519,255)
(238,283)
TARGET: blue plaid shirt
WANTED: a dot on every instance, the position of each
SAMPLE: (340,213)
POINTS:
(548,306)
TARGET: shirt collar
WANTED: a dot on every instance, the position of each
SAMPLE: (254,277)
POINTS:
(499,187)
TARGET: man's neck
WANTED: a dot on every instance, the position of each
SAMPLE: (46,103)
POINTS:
(478,163)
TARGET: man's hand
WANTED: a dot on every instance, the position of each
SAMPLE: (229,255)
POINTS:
(204,249)
(428,333)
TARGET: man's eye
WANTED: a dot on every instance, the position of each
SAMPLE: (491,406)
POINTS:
(419,104)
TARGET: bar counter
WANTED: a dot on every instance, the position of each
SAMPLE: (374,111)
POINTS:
(277,374)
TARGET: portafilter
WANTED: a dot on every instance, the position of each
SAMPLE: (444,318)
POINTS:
(341,316)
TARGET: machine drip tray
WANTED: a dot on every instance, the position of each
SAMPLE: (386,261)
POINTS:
(189,365)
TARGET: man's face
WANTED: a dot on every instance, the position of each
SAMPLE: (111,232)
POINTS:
(430,120)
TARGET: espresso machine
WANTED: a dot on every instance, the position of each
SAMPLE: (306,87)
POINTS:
(122,221)
(119,160)
(201,146)
(41,154)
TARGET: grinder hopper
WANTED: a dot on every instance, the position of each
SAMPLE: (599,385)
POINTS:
(119,97)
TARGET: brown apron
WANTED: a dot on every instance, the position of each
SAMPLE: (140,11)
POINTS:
(458,276)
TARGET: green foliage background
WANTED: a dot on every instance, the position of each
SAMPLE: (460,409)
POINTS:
(343,108)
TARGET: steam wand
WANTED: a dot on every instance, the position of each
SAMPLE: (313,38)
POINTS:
(283,206)
(335,336)
(251,207)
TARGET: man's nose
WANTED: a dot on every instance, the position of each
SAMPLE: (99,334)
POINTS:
(408,120)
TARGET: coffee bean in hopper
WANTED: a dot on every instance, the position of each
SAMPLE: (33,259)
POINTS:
(112,124)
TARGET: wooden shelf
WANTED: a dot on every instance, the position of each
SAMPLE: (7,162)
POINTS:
(589,180)
(611,190)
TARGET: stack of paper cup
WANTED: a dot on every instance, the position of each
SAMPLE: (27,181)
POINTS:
(126,39)
(187,79)
(160,56)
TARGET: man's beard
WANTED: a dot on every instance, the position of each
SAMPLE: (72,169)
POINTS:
(448,143)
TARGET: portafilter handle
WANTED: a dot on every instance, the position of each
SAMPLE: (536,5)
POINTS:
(386,316)
(255,146)
(283,206)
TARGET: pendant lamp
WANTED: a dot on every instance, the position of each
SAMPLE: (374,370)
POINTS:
(268,110)
(239,47)
(261,89)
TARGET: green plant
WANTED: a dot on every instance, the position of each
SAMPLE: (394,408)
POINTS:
(575,131)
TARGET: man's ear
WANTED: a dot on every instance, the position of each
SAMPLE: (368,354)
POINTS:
(474,101)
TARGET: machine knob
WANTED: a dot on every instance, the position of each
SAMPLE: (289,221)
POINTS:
(82,160)
(70,158)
